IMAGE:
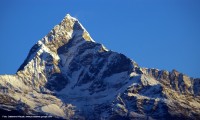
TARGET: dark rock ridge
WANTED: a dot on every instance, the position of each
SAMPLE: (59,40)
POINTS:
(69,76)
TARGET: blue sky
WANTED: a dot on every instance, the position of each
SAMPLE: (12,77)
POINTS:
(163,34)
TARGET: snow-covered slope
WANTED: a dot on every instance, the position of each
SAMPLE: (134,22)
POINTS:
(68,75)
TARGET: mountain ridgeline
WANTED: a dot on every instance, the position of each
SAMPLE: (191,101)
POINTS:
(69,76)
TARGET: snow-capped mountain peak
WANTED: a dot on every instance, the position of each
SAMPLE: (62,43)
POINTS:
(68,75)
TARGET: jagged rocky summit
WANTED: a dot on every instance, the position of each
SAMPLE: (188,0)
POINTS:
(69,76)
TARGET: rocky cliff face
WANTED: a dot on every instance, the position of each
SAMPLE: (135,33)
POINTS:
(68,75)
